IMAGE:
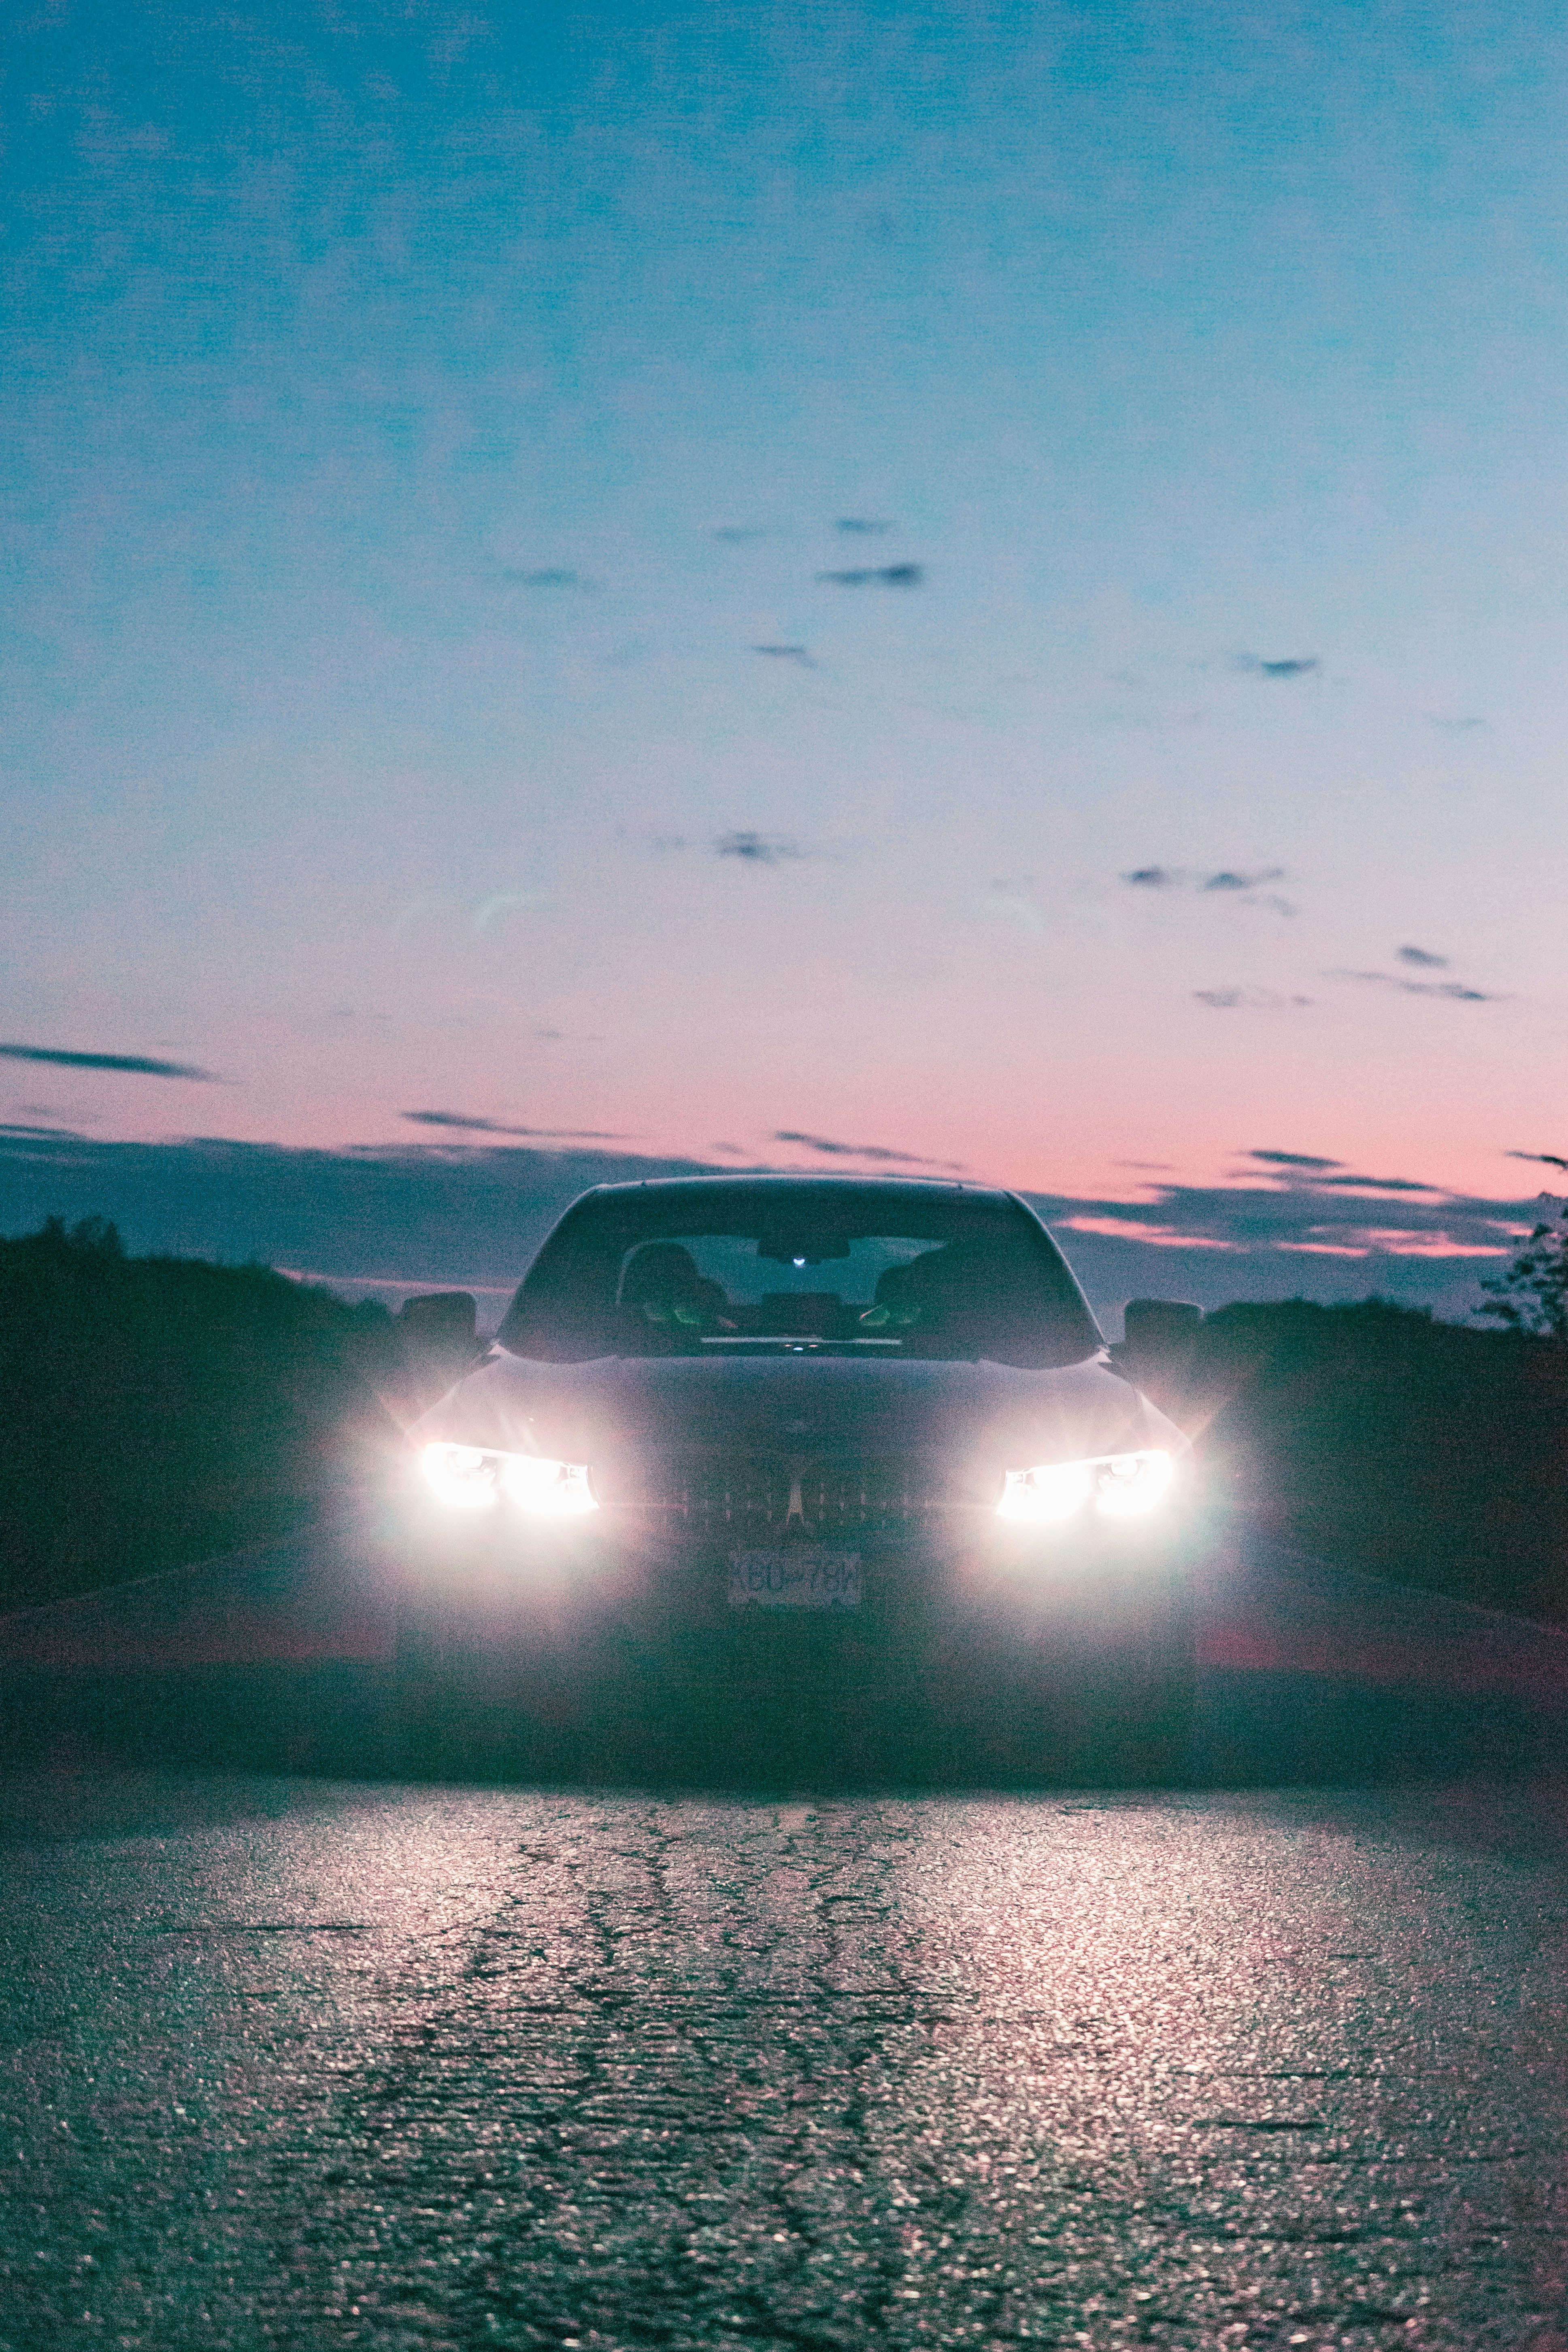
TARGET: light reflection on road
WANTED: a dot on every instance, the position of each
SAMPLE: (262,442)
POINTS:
(320,2065)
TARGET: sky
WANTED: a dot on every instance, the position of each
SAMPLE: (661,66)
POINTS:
(790,585)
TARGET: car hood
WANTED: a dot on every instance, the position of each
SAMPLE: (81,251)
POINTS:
(995,1416)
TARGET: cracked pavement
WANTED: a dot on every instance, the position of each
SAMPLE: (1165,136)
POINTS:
(325,2065)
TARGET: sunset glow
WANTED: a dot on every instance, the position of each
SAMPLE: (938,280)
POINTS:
(962,594)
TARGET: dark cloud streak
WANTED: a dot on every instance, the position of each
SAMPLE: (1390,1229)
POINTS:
(136,1065)
(1294,666)
(862,1151)
(1249,1000)
(1453,989)
(1228,880)
(883,575)
(1380,1183)
(492,1127)
(750,848)
(759,849)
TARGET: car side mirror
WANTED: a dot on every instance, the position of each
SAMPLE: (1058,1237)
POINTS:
(438,1332)
(1158,1349)
(1158,1327)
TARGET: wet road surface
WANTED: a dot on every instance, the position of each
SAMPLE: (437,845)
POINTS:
(320,2064)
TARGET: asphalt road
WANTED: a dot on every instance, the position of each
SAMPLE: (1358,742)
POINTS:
(304,2063)
(315,2063)
(313,1653)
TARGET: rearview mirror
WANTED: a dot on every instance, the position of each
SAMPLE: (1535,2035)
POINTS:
(805,1248)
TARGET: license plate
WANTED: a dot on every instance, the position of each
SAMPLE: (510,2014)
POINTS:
(801,1577)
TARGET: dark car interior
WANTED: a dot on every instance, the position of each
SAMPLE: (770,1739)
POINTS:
(663,1285)
(677,1271)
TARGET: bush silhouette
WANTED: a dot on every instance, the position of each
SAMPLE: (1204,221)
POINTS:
(1381,1440)
(163,1409)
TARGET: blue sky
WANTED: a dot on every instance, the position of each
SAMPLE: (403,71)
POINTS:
(417,420)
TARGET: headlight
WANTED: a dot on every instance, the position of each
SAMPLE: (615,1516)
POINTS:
(549,1490)
(468,1478)
(1120,1486)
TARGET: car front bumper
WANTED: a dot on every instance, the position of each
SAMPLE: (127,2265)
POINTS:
(975,1578)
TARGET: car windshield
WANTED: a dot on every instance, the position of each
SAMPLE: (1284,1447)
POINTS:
(876,1273)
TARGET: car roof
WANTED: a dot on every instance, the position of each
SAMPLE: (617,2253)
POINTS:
(729,1187)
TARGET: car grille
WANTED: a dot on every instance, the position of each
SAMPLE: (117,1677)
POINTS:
(759,1495)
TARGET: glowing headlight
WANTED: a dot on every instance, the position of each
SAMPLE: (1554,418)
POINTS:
(1131,1484)
(1121,1486)
(1055,1491)
(467,1478)
(550,1490)
(463,1478)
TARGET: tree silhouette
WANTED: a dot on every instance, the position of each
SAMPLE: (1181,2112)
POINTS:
(1533,1296)
(159,1410)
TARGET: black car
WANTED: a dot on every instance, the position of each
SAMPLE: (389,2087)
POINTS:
(771,1454)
